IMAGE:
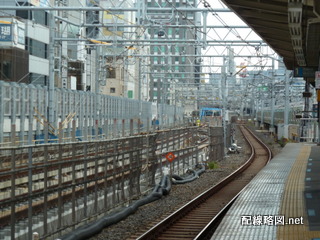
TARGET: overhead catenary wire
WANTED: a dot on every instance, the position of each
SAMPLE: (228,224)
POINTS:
(207,5)
(145,30)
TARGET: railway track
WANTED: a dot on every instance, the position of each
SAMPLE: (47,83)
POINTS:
(198,218)
(105,167)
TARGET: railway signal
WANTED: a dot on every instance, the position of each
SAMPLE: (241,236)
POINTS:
(170,156)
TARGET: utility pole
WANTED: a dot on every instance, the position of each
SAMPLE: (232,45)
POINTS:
(224,103)
(51,97)
(272,99)
(96,91)
(286,108)
(139,81)
(262,106)
(139,89)
(257,98)
(175,104)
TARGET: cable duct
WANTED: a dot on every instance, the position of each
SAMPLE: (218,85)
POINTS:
(86,231)
(161,189)
(195,174)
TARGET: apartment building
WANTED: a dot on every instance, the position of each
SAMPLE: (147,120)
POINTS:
(172,62)
(81,62)
(24,39)
(124,75)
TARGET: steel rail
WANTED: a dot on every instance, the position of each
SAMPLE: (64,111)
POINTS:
(92,179)
(155,231)
(209,229)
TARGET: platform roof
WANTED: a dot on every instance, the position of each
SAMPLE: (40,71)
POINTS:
(290,27)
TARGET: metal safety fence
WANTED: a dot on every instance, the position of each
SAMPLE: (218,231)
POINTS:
(53,188)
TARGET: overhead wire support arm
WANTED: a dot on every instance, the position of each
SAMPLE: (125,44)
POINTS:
(135,25)
(204,34)
(157,40)
(29,8)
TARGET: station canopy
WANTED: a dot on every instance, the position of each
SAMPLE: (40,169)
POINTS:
(290,27)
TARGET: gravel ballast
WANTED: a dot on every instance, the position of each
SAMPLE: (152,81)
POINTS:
(179,195)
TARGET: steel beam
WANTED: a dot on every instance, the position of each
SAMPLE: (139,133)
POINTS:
(164,41)
(218,44)
(109,9)
(145,25)
(201,56)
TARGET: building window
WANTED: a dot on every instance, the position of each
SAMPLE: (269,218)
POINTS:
(40,17)
(5,69)
(38,79)
(36,48)
(112,90)
(111,72)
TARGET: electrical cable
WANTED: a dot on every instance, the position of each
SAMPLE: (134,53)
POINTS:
(145,28)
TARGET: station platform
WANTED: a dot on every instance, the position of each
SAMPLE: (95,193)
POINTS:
(281,202)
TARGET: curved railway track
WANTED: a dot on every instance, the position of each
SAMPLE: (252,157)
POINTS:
(198,218)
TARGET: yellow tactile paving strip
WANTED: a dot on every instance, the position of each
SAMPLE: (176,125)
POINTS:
(293,205)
